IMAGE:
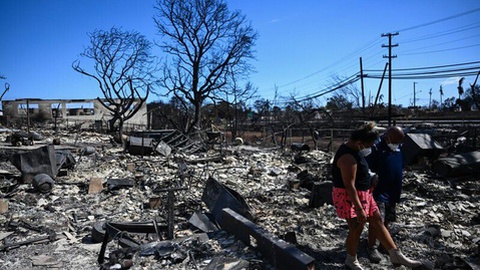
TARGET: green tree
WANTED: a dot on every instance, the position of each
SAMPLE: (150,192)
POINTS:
(262,106)
(449,103)
(435,104)
(338,102)
(206,47)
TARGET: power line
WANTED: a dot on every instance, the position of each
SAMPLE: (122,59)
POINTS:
(347,61)
(425,77)
(439,20)
(444,50)
(428,76)
(453,72)
(442,33)
(441,71)
(429,67)
(351,79)
(462,70)
(362,48)
(369,45)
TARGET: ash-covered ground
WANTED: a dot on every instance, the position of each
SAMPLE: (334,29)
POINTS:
(439,218)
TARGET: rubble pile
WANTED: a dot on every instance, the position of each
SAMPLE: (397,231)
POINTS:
(63,226)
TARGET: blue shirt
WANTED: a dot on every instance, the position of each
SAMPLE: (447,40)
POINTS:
(388,165)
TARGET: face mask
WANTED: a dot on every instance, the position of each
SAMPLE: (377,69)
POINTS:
(393,147)
(365,152)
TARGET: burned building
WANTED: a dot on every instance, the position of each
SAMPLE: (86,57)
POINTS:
(84,112)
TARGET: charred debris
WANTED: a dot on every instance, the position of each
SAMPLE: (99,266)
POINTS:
(79,200)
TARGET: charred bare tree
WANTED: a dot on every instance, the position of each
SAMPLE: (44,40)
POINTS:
(474,88)
(239,97)
(168,115)
(7,87)
(351,93)
(306,115)
(123,68)
(207,45)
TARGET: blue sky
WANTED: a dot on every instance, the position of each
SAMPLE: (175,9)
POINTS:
(301,45)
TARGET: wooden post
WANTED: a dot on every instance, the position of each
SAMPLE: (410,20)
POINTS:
(331,140)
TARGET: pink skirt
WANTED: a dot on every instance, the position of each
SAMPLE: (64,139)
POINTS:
(344,205)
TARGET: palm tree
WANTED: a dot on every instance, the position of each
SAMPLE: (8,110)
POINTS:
(460,87)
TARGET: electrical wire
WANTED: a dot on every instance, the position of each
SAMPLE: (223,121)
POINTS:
(428,67)
(439,71)
(439,44)
(347,63)
(362,48)
(439,20)
(445,50)
(442,33)
(422,76)
(352,79)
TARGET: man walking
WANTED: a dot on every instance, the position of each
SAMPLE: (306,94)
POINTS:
(386,160)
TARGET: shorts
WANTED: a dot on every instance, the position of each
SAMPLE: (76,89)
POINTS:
(388,211)
(344,206)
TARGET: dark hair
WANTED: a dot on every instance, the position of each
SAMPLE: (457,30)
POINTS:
(365,133)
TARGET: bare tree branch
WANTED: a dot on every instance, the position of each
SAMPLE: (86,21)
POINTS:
(124,70)
(207,45)
(7,87)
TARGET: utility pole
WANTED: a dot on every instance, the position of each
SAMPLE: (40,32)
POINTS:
(430,101)
(390,56)
(441,95)
(363,89)
(414,97)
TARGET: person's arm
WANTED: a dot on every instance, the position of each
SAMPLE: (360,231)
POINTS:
(348,167)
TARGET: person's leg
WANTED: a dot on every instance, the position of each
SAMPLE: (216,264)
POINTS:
(372,238)
(354,232)
(372,252)
(381,233)
(396,256)
(390,214)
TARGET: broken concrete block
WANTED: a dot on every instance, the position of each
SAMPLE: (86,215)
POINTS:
(163,149)
(3,206)
(131,167)
(293,184)
(44,260)
(95,185)
(155,202)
